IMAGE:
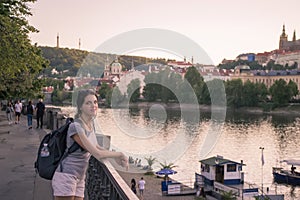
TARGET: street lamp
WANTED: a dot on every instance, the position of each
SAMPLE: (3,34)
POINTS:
(262,169)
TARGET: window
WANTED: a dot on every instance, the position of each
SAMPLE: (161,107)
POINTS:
(231,168)
(204,168)
(207,168)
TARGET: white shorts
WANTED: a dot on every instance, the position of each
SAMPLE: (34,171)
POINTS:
(64,184)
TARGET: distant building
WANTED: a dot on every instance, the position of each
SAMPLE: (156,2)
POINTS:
(210,72)
(113,69)
(246,56)
(181,64)
(224,61)
(266,77)
(263,58)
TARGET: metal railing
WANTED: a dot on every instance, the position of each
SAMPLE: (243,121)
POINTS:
(103,182)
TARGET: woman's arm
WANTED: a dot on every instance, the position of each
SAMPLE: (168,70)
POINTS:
(99,152)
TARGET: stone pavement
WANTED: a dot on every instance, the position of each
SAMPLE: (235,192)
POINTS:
(18,149)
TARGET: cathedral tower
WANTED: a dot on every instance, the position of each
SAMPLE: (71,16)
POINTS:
(283,38)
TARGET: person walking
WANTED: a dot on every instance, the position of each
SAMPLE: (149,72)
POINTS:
(40,110)
(29,109)
(9,112)
(141,186)
(69,183)
(133,185)
(18,110)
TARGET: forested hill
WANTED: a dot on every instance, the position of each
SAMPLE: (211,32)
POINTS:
(67,61)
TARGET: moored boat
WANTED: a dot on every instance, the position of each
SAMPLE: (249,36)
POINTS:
(291,176)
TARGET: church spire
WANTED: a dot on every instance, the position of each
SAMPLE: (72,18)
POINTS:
(283,31)
(294,36)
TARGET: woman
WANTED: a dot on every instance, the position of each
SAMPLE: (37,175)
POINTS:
(69,183)
(29,109)
(9,112)
(133,186)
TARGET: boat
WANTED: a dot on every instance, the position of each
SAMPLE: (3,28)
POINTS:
(220,175)
(290,176)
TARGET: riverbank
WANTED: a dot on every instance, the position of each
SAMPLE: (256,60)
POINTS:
(292,109)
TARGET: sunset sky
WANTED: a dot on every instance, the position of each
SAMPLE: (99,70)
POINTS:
(224,29)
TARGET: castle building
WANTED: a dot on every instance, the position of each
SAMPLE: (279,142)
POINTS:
(285,44)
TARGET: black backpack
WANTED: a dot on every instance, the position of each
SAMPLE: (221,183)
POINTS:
(57,146)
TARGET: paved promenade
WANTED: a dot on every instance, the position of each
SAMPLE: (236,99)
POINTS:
(18,148)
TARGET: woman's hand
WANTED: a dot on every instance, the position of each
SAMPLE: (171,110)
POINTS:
(122,160)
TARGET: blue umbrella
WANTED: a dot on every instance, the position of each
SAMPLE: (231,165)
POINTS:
(166,171)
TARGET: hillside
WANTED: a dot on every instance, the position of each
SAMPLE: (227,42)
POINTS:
(72,62)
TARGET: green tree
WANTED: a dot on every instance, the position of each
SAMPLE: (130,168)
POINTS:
(234,90)
(166,165)
(152,88)
(293,88)
(133,90)
(163,86)
(103,90)
(60,96)
(150,160)
(250,95)
(262,91)
(213,92)
(195,80)
(116,98)
(20,61)
(280,92)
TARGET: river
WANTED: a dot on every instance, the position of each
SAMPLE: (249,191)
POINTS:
(183,138)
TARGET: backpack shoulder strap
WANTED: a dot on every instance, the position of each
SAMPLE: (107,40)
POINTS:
(74,147)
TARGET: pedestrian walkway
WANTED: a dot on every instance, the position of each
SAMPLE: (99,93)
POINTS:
(18,149)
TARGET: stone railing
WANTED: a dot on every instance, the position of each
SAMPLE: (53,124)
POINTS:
(102,180)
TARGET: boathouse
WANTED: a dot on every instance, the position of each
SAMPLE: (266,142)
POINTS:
(218,169)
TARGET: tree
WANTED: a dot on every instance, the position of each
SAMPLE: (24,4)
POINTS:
(234,92)
(150,160)
(293,88)
(195,80)
(163,86)
(103,90)
(20,61)
(280,92)
(213,92)
(133,90)
(152,88)
(116,97)
(166,165)
(262,91)
(250,95)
